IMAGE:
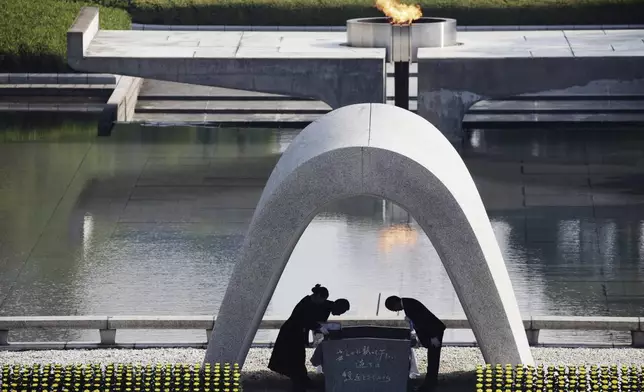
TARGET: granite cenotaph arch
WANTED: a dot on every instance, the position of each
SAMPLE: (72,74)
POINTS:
(387,152)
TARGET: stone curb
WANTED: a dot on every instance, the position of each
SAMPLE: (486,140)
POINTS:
(13,107)
(121,104)
(57,78)
(81,345)
(206,322)
(108,325)
(152,27)
(81,33)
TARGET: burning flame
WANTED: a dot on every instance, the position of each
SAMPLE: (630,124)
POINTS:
(399,13)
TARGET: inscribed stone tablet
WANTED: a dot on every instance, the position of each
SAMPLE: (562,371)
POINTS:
(366,364)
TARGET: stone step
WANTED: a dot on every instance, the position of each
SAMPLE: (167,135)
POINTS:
(233,106)
(53,99)
(558,96)
(482,107)
(542,119)
(58,78)
(569,106)
(471,120)
(51,107)
(264,120)
(56,90)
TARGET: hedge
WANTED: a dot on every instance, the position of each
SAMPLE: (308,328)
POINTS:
(121,378)
(33,34)
(560,378)
(51,127)
(336,12)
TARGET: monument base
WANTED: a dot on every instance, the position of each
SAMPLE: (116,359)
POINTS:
(365,359)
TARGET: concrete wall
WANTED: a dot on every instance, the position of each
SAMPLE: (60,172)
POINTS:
(81,33)
(337,82)
(121,104)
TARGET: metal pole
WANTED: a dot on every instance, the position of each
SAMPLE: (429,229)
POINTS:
(401,84)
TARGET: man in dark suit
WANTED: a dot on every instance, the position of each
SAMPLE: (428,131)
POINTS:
(429,330)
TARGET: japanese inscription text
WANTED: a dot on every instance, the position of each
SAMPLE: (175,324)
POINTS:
(365,364)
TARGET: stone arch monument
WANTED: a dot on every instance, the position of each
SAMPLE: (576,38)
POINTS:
(387,152)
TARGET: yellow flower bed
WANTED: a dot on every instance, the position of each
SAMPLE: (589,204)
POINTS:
(120,377)
(508,378)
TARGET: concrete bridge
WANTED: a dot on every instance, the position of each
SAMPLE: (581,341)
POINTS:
(318,65)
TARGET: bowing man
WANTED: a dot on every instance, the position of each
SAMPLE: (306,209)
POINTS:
(289,352)
(337,308)
(429,330)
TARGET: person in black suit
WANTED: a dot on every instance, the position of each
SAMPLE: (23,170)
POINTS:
(336,308)
(429,330)
(289,352)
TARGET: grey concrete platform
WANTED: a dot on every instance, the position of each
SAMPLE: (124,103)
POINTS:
(297,64)
(139,45)
(543,44)
(319,65)
(503,64)
(249,45)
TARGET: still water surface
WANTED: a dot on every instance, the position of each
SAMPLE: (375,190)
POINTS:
(148,221)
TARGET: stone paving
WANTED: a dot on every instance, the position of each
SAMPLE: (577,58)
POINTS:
(256,44)
(563,43)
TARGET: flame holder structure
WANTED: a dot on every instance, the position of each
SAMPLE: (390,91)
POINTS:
(402,43)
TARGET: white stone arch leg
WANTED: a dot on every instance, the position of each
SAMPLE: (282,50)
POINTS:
(388,152)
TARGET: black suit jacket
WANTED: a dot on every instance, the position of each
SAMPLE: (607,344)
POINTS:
(426,324)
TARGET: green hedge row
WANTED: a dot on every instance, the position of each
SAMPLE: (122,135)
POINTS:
(121,378)
(33,34)
(510,378)
(53,127)
(336,12)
